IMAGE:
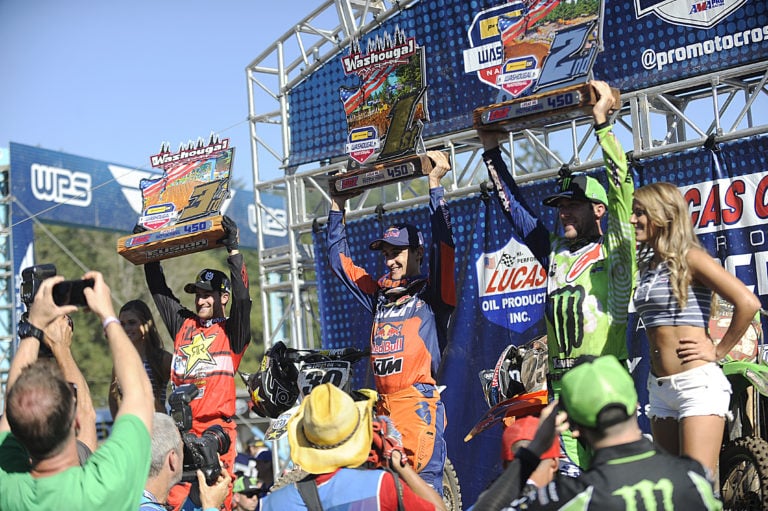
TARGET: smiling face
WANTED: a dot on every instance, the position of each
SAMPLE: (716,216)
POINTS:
(210,304)
(402,261)
(133,326)
(643,227)
(579,218)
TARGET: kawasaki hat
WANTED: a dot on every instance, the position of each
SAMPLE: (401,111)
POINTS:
(247,485)
(578,187)
(399,235)
(593,386)
(209,280)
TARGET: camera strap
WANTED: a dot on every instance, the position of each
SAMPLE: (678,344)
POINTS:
(308,491)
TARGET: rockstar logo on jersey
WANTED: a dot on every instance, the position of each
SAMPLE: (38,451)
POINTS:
(197,352)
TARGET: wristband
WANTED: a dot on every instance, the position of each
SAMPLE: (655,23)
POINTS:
(108,321)
(602,125)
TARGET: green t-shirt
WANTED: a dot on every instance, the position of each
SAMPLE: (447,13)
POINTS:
(112,479)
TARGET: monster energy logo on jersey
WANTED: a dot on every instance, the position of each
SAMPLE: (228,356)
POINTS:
(567,303)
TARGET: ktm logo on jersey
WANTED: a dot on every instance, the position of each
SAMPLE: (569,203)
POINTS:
(387,366)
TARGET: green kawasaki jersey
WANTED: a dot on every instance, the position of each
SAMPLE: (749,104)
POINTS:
(589,289)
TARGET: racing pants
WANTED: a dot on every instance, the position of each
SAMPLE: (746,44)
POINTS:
(419,415)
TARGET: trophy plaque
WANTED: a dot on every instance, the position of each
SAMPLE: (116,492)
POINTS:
(385,114)
(539,109)
(539,55)
(181,209)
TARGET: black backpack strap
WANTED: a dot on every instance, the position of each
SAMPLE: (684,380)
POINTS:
(398,488)
(308,491)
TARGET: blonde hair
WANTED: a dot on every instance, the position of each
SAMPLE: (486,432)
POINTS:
(673,234)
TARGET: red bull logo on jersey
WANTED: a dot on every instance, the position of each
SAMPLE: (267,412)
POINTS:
(512,286)
(387,338)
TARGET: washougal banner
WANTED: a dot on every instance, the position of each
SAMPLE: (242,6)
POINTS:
(645,43)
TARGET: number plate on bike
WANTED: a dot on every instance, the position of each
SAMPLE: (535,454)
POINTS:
(312,374)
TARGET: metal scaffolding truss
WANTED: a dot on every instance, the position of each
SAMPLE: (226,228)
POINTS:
(7,328)
(720,106)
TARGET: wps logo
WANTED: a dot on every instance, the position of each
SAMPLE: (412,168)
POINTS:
(63,186)
(696,13)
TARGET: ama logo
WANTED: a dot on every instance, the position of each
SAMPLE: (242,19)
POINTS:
(512,287)
(689,13)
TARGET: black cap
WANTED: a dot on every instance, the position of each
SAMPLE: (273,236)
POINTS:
(209,280)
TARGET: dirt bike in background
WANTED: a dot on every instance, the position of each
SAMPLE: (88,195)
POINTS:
(516,386)
(288,375)
(744,452)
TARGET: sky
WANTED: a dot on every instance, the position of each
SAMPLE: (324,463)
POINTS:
(112,80)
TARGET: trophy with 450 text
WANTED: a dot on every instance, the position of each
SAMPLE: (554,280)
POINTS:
(385,114)
(181,211)
(539,55)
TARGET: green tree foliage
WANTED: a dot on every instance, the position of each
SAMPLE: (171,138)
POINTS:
(71,249)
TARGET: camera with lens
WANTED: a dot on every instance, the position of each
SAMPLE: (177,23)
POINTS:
(200,452)
(67,292)
(31,278)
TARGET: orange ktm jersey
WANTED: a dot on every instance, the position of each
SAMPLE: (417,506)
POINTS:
(410,330)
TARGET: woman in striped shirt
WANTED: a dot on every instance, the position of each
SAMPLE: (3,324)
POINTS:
(688,392)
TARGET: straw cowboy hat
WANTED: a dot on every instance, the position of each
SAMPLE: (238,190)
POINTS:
(331,430)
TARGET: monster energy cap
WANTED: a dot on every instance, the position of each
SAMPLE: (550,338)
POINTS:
(578,187)
(591,387)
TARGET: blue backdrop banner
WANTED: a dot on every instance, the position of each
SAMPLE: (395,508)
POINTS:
(62,188)
(500,288)
(646,43)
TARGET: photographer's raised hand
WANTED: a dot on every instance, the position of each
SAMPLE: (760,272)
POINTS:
(214,496)
(58,337)
(414,482)
(42,312)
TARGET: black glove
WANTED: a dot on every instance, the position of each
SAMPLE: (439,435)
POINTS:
(231,239)
(138,229)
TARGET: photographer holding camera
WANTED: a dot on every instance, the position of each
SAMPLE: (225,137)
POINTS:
(166,469)
(208,346)
(40,420)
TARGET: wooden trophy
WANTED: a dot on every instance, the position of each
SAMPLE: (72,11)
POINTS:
(385,115)
(181,209)
(540,54)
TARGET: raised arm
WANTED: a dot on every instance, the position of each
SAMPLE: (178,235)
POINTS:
(620,235)
(138,399)
(58,337)
(42,312)
(525,223)
(354,278)
(166,302)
